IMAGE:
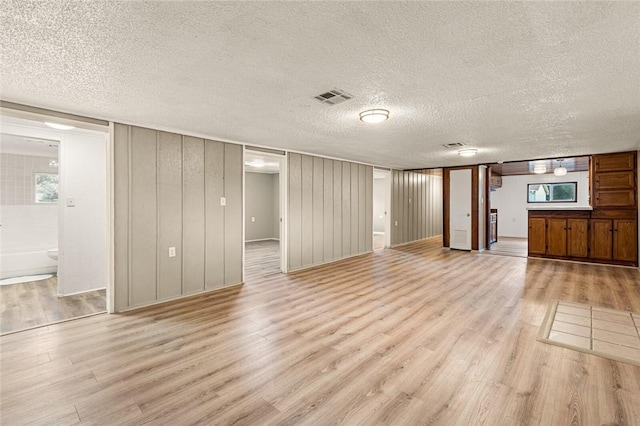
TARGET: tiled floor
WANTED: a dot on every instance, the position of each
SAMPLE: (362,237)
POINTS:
(609,333)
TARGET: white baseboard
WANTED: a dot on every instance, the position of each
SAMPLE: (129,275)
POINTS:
(262,239)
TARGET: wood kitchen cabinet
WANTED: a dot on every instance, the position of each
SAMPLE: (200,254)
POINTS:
(578,237)
(613,180)
(614,239)
(537,235)
(557,236)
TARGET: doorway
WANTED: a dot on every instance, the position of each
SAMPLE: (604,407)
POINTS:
(54,232)
(264,214)
(381,206)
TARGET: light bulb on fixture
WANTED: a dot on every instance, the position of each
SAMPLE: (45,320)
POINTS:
(467,152)
(59,126)
(560,171)
(374,115)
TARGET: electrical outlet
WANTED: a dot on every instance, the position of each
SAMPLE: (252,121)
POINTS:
(253,219)
(172,252)
(223,201)
(71,202)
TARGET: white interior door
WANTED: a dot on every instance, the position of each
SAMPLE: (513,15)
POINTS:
(460,209)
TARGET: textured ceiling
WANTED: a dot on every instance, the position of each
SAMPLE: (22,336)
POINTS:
(515,80)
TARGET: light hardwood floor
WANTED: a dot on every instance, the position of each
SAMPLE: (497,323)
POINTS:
(508,246)
(262,259)
(36,303)
(414,335)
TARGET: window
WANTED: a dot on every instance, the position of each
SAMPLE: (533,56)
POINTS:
(46,188)
(564,192)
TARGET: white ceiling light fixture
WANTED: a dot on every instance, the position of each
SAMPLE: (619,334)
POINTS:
(540,169)
(374,115)
(560,171)
(59,126)
(467,152)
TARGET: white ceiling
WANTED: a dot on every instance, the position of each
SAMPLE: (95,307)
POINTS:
(517,80)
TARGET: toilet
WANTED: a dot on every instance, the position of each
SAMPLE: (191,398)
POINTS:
(53,253)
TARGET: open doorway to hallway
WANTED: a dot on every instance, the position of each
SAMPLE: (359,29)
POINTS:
(381,207)
(264,200)
(54,220)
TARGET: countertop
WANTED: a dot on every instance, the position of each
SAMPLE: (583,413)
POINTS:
(560,208)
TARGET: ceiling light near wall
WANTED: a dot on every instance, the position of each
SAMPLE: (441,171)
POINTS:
(540,169)
(59,126)
(374,115)
(560,171)
(467,152)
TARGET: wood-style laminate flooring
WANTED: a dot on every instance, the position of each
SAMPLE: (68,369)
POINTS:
(508,246)
(413,335)
(36,303)
(262,259)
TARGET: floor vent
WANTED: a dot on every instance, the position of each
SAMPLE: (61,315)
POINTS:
(334,97)
(453,145)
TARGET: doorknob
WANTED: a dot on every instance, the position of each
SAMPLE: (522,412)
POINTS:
(468,214)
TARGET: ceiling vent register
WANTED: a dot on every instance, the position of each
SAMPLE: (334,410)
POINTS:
(453,145)
(334,97)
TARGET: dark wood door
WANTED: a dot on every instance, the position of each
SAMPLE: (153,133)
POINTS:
(537,227)
(557,237)
(625,243)
(602,239)
(578,237)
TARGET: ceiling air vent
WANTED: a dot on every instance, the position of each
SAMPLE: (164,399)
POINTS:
(453,145)
(334,97)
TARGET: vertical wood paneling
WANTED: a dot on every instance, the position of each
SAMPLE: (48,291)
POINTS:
(167,194)
(169,214)
(369,208)
(307,210)
(318,210)
(346,209)
(337,209)
(295,211)
(334,202)
(233,244)
(327,215)
(422,218)
(214,214)
(355,214)
(143,217)
(193,246)
(362,208)
(121,215)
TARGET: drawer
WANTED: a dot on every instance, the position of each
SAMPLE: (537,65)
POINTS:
(615,199)
(615,180)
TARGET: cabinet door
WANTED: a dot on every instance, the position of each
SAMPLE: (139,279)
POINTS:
(601,239)
(615,180)
(622,198)
(557,237)
(625,243)
(577,237)
(537,227)
(614,162)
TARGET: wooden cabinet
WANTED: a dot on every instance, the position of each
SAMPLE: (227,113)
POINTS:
(537,235)
(557,236)
(625,240)
(578,237)
(602,239)
(613,180)
(614,162)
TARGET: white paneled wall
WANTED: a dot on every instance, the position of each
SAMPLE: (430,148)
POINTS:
(416,206)
(168,190)
(330,210)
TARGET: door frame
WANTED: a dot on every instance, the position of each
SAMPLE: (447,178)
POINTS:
(446,200)
(387,206)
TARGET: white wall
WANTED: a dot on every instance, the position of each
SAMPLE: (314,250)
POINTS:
(511,200)
(261,203)
(380,195)
(83,228)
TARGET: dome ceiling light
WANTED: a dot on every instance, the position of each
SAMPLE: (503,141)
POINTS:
(374,115)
